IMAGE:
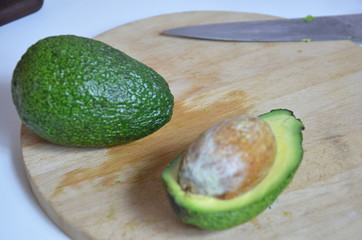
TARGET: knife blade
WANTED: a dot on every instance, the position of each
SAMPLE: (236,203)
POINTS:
(340,27)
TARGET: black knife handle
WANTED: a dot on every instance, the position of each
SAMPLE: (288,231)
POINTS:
(11,10)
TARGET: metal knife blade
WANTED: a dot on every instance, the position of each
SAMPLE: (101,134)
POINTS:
(340,27)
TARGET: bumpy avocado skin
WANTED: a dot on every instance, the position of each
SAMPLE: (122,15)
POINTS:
(77,91)
(222,220)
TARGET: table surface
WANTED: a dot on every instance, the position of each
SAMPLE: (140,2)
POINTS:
(21,216)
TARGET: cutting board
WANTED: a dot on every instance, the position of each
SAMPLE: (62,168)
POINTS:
(117,193)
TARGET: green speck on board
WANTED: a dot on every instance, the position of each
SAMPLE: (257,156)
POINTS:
(308,18)
(307,40)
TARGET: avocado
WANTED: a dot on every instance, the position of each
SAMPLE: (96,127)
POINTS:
(214,213)
(76,91)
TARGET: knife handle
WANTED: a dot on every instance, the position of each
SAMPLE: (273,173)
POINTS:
(11,10)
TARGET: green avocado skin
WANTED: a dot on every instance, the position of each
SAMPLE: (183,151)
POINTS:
(227,219)
(77,91)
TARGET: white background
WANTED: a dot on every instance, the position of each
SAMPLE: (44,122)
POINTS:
(20,215)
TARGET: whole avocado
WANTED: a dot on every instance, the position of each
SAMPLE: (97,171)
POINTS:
(76,91)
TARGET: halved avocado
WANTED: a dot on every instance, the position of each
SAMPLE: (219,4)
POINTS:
(217,214)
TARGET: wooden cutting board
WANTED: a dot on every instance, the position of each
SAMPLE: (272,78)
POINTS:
(117,193)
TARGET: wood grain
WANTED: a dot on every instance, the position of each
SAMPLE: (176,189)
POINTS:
(117,193)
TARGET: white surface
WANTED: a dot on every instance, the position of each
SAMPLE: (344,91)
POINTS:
(20,215)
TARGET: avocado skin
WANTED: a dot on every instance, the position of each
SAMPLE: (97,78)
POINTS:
(226,219)
(77,91)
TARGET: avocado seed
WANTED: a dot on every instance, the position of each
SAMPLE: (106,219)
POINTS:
(229,158)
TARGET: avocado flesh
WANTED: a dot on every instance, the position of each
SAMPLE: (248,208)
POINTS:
(217,214)
(77,91)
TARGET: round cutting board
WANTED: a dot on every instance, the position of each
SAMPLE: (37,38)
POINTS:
(117,193)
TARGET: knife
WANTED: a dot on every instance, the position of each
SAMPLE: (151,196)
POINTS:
(340,27)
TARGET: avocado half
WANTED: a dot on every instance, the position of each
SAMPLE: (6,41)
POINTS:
(217,214)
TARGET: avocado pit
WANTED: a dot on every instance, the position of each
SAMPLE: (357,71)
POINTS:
(228,159)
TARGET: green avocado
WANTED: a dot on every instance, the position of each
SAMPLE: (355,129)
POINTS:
(81,92)
(218,214)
